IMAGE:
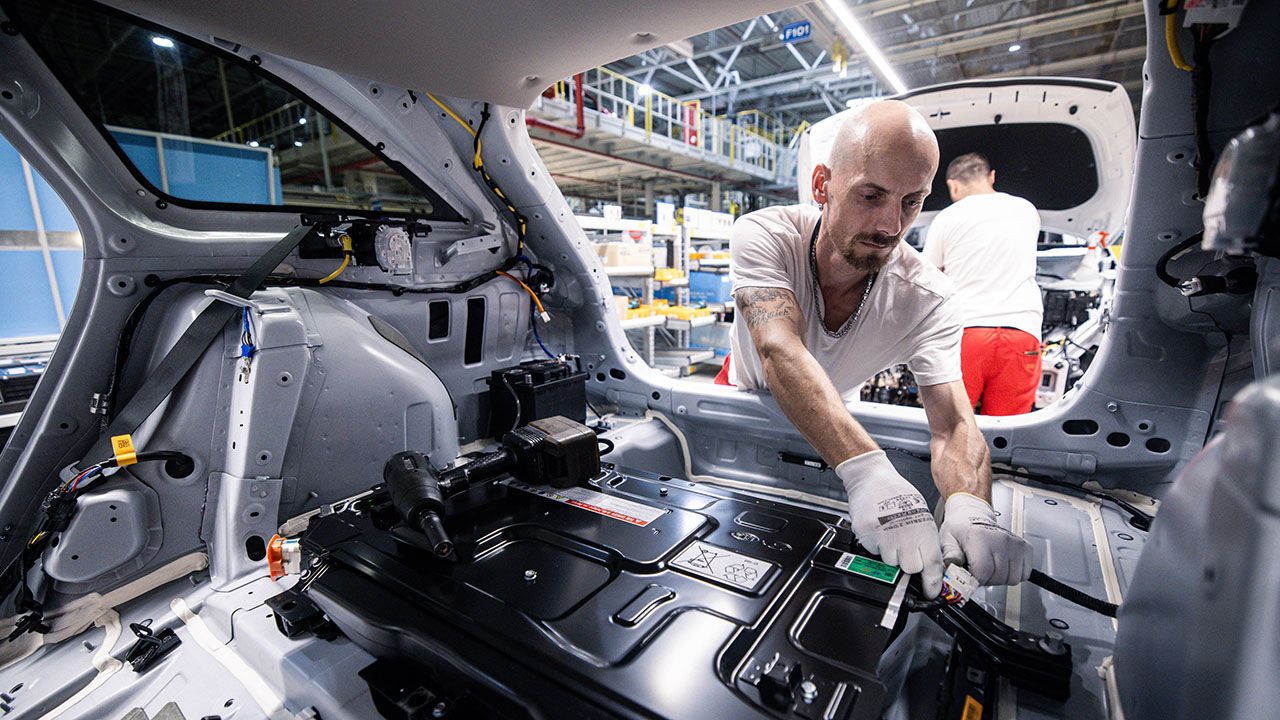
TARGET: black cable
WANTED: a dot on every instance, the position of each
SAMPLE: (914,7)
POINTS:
(608,445)
(515,421)
(1139,518)
(1162,265)
(1201,87)
(913,604)
(150,457)
(521,222)
(57,508)
(1069,593)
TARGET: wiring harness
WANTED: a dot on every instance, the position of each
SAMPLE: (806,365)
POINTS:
(57,509)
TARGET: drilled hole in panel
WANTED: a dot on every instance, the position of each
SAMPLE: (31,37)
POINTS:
(1159,445)
(471,351)
(1118,439)
(1079,427)
(255,548)
(438,320)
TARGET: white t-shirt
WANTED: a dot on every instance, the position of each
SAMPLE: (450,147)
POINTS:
(906,317)
(986,244)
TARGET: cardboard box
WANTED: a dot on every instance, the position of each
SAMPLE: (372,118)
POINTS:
(623,254)
(621,304)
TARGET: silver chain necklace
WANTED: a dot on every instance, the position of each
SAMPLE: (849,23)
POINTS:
(817,290)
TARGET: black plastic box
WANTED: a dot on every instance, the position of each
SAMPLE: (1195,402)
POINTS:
(534,390)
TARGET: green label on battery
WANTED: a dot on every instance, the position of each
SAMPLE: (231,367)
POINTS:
(866,567)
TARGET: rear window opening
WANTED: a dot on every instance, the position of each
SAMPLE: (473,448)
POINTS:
(203,127)
(1061,174)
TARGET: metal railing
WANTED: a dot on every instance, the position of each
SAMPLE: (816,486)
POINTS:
(750,137)
(292,122)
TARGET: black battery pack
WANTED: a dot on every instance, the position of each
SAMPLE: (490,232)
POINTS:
(535,390)
(631,596)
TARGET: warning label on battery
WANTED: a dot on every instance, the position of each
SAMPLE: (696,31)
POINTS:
(727,566)
(599,503)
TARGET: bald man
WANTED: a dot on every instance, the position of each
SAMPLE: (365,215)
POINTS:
(827,297)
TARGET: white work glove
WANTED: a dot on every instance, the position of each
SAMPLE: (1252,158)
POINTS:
(890,517)
(972,538)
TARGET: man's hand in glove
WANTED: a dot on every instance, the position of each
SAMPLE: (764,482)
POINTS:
(890,517)
(971,538)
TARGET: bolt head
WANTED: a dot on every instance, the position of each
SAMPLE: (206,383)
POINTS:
(808,691)
(531,575)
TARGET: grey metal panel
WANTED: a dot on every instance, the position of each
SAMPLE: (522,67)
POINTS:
(306,672)
(1198,634)
(114,533)
(239,510)
(351,399)
(1264,330)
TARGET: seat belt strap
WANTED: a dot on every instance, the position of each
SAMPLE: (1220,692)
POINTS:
(191,345)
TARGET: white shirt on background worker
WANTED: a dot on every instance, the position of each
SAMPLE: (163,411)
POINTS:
(986,243)
(903,319)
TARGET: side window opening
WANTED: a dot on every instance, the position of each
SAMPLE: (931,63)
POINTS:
(41,254)
(203,127)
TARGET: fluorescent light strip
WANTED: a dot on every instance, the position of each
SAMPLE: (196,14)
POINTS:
(860,36)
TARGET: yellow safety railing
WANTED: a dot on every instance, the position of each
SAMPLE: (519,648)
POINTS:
(750,137)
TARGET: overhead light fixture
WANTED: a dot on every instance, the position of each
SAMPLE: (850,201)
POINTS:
(253,143)
(644,89)
(297,143)
(161,41)
(860,36)
(302,121)
(1015,47)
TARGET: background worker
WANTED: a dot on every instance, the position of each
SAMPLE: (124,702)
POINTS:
(986,243)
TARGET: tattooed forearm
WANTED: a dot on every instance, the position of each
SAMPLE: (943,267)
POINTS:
(761,305)
(798,382)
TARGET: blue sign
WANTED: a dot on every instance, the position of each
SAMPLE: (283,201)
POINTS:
(797,31)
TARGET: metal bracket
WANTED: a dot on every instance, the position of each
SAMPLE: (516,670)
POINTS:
(295,614)
(470,245)
(254,305)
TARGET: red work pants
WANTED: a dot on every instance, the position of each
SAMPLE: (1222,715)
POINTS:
(1001,368)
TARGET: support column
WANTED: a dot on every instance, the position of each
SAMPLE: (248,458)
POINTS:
(43,238)
(716,196)
(650,206)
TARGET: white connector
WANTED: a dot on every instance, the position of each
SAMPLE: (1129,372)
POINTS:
(962,581)
(545,316)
